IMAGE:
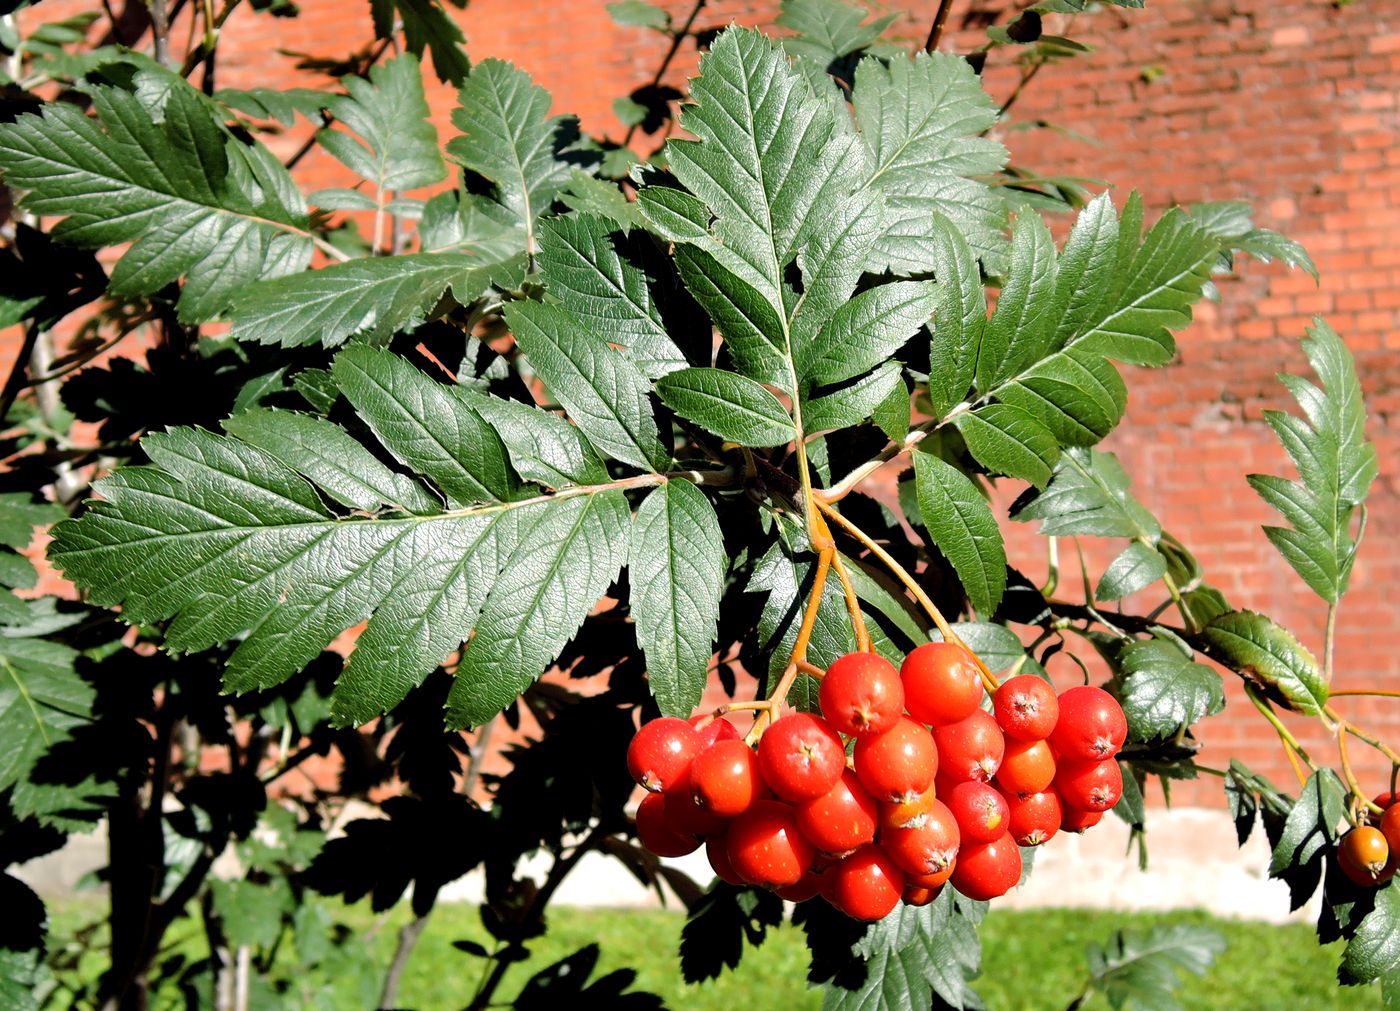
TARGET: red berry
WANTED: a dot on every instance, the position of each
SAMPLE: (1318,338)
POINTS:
(765,847)
(928,848)
(713,728)
(899,764)
(684,812)
(971,749)
(1364,855)
(861,695)
(724,778)
(1035,817)
(1090,786)
(1026,707)
(1026,767)
(809,887)
(941,683)
(933,882)
(917,895)
(841,819)
(1390,827)
(905,813)
(981,812)
(661,752)
(658,833)
(1073,819)
(1091,726)
(716,850)
(800,757)
(866,885)
(986,870)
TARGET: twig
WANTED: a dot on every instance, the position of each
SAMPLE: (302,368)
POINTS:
(1361,799)
(935,31)
(677,37)
(408,938)
(160,31)
(1285,735)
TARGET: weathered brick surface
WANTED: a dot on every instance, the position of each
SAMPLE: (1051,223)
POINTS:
(1292,104)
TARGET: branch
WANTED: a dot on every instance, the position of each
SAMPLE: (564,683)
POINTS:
(408,937)
(935,32)
(160,31)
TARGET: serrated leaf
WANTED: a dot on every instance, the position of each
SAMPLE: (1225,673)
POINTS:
(583,267)
(714,932)
(1268,655)
(960,317)
(591,195)
(639,14)
(1089,494)
(961,524)
(677,575)
(1079,397)
(426,25)
(1336,465)
(1007,440)
(1164,690)
(866,331)
(856,402)
(826,30)
(1374,950)
(41,699)
(1136,568)
(604,392)
(20,514)
(1021,330)
(397,147)
(725,403)
(922,120)
(543,447)
(1141,969)
(191,200)
(510,139)
(375,298)
(1311,825)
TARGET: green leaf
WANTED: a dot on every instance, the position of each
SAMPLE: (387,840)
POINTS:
(1142,969)
(1311,826)
(995,645)
(1078,396)
(1374,951)
(1268,655)
(41,699)
(1089,495)
(961,524)
(1336,465)
(543,447)
(20,514)
(397,145)
(1163,690)
(375,298)
(725,403)
(826,30)
(189,199)
(510,139)
(605,289)
(1232,220)
(960,317)
(1021,330)
(1007,440)
(1138,567)
(639,14)
(866,331)
(601,388)
(426,25)
(922,120)
(677,575)
(856,402)
(591,195)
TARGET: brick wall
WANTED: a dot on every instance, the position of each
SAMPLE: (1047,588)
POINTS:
(1289,103)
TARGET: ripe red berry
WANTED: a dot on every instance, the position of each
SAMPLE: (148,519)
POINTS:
(658,833)
(809,887)
(866,885)
(941,683)
(841,819)
(987,870)
(800,757)
(1035,817)
(713,728)
(661,752)
(905,813)
(765,847)
(933,882)
(929,848)
(1073,819)
(1091,726)
(1026,707)
(917,895)
(684,812)
(971,749)
(1090,786)
(716,850)
(982,813)
(724,778)
(1390,827)
(1363,855)
(899,764)
(861,695)
(1026,767)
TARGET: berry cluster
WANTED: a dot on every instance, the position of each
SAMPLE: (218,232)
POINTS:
(934,789)
(1370,854)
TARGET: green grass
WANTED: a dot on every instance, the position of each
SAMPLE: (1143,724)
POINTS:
(1032,961)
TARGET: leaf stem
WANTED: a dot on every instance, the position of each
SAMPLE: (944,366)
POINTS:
(910,583)
(1290,743)
(1387,693)
(852,604)
(1361,800)
(1363,735)
(1328,639)
(916,435)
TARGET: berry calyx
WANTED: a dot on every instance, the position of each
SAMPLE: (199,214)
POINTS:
(941,684)
(724,778)
(800,757)
(1091,726)
(861,695)
(1363,854)
(866,885)
(987,870)
(1026,767)
(766,848)
(970,749)
(658,833)
(908,813)
(1026,707)
(1090,786)
(899,764)
(981,812)
(661,752)
(841,819)
(924,849)
(1035,817)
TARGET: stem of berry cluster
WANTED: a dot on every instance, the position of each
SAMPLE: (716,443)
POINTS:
(1290,743)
